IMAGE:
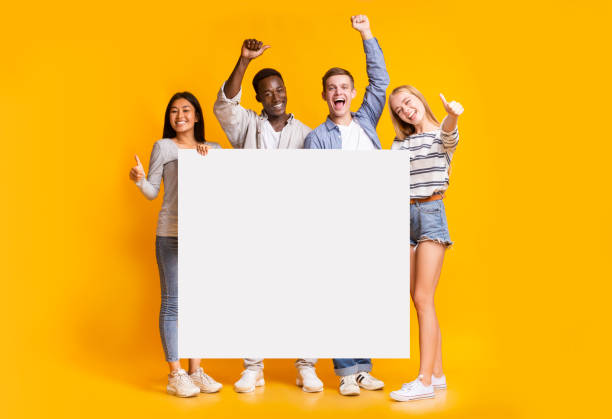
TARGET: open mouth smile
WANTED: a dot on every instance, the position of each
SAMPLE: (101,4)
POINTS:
(338,104)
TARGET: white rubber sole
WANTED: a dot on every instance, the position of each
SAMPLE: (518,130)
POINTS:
(372,388)
(258,383)
(210,391)
(174,393)
(354,393)
(438,386)
(400,398)
(298,382)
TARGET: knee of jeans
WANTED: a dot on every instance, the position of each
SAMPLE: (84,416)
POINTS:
(169,306)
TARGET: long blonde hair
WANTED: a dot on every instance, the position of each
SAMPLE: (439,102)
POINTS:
(404,129)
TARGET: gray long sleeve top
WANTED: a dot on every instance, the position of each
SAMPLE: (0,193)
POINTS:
(164,165)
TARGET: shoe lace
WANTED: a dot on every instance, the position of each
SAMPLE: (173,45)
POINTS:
(348,379)
(366,375)
(183,378)
(206,377)
(247,373)
(411,384)
(307,372)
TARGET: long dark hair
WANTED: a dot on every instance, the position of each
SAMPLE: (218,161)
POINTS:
(198,127)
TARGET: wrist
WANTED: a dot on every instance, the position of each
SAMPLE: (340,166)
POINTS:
(366,34)
(244,60)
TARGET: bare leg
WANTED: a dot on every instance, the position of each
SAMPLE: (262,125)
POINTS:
(194,364)
(429,257)
(174,366)
(412,270)
(437,368)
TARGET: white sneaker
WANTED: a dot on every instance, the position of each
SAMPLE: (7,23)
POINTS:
(179,384)
(308,380)
(414,390)
(438,383)
(248,381)
(366,381)
(348,385)
(205,382)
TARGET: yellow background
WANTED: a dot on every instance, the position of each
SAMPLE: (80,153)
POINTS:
(524,295)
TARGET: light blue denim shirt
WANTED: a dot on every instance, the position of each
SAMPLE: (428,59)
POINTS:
(327,135)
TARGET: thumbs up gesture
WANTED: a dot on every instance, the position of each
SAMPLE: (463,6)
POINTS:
(252,48)
(453,108)
(137,172)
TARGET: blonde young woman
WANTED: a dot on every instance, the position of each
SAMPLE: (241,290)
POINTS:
(431,146)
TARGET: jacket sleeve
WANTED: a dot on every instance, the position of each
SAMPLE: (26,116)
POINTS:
(378,81)
(305,131)
(234,119)
(312,141)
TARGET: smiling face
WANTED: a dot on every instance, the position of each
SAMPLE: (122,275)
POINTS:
(182,116)
(338,93)
(272,95)
(408,107)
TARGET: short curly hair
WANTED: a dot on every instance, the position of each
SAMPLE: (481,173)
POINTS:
(262,74)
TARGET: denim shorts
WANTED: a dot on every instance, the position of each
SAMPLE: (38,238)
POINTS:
(428,222)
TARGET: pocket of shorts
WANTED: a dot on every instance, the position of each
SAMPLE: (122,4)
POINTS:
(432,207)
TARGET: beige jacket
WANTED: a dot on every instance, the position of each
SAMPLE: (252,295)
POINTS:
(243,127)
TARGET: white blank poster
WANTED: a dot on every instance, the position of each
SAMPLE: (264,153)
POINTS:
(294,254)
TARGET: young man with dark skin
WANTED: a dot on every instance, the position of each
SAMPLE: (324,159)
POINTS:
(353,131)
(273,128)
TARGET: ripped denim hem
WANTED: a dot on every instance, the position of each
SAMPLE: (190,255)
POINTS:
(445,243)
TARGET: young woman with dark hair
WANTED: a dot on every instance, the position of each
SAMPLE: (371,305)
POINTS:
(183,128)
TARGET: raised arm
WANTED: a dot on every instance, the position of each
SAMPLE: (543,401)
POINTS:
(234,119)
(449,135)
(378,77)
(251,48)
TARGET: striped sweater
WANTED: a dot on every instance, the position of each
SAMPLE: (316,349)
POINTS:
(430,158)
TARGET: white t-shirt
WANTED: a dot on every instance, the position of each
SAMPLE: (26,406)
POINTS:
(271,138)
(354,137)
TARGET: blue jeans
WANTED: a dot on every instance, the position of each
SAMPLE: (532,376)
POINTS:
(166,252)
(348,366)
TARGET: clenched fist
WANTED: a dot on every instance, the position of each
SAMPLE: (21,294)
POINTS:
(137,172)
(453,108)
(252,48)
(360,22)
